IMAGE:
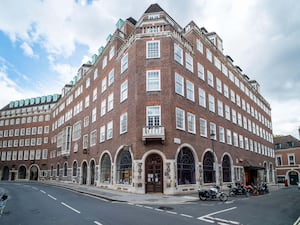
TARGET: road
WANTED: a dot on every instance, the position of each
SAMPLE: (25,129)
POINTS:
(36,204)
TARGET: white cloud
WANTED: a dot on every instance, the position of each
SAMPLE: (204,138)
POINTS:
(28,50)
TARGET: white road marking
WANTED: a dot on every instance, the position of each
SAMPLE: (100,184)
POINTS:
(50,196)
(138,205)
(148,207)
(44,192)
(208,218)
(159,210)
(34,188)
(185,215)
(96,222)
(170,212)
(75,210)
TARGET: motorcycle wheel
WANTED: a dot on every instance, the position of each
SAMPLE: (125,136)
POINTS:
(223,197)
(231,194)
(202,197)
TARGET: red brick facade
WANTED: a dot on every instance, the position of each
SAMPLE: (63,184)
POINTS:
(157,142)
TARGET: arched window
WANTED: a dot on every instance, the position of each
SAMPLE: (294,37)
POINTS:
(124,168)
(186,167)
(65,169)
(74,169)
(226,169)
(105,174)
(51,170)
(209,174)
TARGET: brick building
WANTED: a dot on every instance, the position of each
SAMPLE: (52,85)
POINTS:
(160,109)
(287,153)
(25,138)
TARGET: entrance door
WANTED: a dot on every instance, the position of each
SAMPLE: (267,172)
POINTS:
(34,173)
(154,174)
(293,178)
(84,173)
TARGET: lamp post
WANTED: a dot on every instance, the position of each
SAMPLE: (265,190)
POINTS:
(213,138)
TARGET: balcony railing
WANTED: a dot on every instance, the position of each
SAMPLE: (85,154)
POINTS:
(153,133)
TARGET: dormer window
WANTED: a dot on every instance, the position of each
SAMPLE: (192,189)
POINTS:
(153,17)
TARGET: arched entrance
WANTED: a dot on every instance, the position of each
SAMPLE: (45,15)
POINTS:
(22,172)
(154,173)
(84,173)
(293,178)
(34,173)
(186,167)
(226,169)
(5,173)
(105,174)
(92,172)
(209,173)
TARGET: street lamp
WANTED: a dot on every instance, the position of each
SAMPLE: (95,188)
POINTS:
(213,138)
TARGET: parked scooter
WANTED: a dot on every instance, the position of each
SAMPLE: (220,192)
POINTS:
(252,189)
(263,188)
(212,193)
(238,189)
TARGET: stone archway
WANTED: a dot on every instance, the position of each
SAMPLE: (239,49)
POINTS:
(293,177)
(22,172)
(34,173)
(154,173)
(84,173)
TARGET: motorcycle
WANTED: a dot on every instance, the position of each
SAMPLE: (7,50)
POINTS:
(212,193)
(252,189)
(263,188)
(237,190)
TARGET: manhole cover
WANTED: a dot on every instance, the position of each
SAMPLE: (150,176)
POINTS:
(165,208)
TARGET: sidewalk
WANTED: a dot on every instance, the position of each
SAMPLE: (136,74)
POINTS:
(120,196)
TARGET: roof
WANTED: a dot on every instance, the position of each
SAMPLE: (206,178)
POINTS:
(153,8)
(283,140)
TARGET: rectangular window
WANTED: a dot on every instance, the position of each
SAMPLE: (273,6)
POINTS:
(239,120)
(190,93)
(104,84)
(202,98)
(226,91)
(153,115)
(221,134)
(213,131)
(220,108)
(179,84)
(153,49)
(278,160)
(246,143)
(189,64)
(124,63)
(94,94)
(235,139)
(180,119)
(87,83)
(94,115)
(44,153)
(111,77)
(86,121)
(229,137)
(291,159)
(87,101)
(20,155)
(211,103)
(109,130)
(234,120)
(208,55)
(104,62)
(95,74)
(199,46)
(178,54)
(93,138)
(123,123)
(111,53)
(241,138)
(210,79)
(153,80)
(219,85)
(203,127)
(191,123)
(110,102)
(102,134)
(103,107)
(200,71)
(124,91)
(85,141)
(232,96)
(217,63)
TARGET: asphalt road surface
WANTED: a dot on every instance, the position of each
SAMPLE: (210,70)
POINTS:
(39,204)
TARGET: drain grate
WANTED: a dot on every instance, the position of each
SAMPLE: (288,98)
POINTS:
(165,208)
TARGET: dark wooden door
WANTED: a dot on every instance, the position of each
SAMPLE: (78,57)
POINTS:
(154,174)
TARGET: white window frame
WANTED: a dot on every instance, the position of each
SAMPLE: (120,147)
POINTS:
(190,90)
(191,122)
(203,127)
(124,63)
(153,80)
(179,84)
(178,54)
(153,49)
(180,119)
(124,91)
(123,123)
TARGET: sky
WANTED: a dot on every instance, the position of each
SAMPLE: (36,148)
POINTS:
(44,42)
